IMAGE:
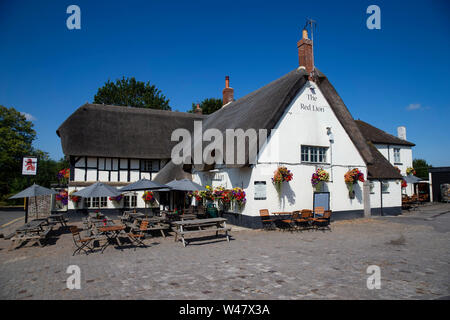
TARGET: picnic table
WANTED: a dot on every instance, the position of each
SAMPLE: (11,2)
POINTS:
(57,217)
(186,227)
(33,231)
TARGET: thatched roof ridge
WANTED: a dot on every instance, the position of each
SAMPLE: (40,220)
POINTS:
(379,136)
(115,131)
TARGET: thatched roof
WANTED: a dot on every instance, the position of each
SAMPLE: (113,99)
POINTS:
(378,136)
(263,108)
(381,168)
(114,131)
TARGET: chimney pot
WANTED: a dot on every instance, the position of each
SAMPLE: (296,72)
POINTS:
(228,92)
(198,110)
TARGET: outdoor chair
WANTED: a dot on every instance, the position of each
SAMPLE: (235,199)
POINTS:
(305,219)
(125,216)
(290,224)
(323,222)
(319,212)
(267,221)
(81,244)
(136,237)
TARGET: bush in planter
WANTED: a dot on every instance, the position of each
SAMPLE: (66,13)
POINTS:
(352,177)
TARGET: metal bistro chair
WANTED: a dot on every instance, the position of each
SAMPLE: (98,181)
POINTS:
(304,221)
(323,222)
(80,243)
(319,212)
(136,238)
(266,220)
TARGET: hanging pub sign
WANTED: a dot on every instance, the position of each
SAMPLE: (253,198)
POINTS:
(29,166)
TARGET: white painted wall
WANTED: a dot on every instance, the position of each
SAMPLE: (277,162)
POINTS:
(406,160)
(298,126)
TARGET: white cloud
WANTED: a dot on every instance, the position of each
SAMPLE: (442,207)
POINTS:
(28,116)
(414,106)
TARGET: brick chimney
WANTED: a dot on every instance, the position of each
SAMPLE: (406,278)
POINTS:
(228,93)
(198,110)
(305,52)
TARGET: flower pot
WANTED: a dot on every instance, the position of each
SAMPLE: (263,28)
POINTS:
(351,194)
(318,187)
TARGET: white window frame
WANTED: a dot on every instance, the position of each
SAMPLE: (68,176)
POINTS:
(96,202)
(313,154)
(397,158)
(131,200)
(385,186)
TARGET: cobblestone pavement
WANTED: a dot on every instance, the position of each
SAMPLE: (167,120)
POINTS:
(412,252)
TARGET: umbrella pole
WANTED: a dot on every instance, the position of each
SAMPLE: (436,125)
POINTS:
(26,210)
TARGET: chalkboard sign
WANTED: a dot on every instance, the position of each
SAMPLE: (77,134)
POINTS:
(322,199)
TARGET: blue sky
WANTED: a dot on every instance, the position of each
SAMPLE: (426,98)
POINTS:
(398,75)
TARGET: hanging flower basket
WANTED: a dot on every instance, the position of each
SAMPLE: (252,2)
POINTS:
(239,196)
(116,199)
(410,171)
(62,197)
(63,176)
(282,174)
(318,178)
(404,184)
(351,178)
(74,199)
(223,197)
(148,197)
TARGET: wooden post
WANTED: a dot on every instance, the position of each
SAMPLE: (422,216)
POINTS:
(26,209)
(366,198)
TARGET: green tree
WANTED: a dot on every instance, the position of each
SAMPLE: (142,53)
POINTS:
(208,105)
(129,92)
(421,167)
(16,138)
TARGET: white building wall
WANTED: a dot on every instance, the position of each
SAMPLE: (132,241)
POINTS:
(305,122)
(406,161)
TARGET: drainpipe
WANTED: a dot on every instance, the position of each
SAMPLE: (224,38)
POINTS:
(381,197)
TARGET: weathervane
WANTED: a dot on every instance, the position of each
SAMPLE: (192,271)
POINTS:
(312,25)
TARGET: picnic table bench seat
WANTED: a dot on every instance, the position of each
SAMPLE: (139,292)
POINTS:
(33,237)
(203,226)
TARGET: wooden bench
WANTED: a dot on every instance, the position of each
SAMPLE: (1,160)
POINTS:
(181,234)
(32,238)
(204,226)
(161,227)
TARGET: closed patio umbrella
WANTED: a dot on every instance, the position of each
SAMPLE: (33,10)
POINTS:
(33,191)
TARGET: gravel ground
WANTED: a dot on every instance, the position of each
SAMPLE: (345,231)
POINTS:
(411,250)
